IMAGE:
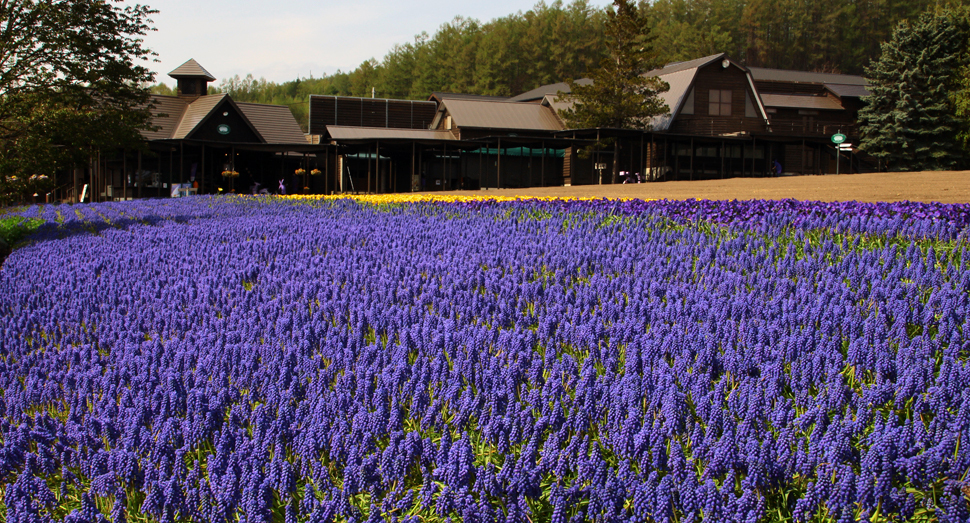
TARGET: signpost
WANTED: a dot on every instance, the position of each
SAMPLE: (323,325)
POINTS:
(838,139)
(599,167)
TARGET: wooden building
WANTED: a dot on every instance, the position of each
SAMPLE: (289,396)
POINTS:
(198,137)
(724,120)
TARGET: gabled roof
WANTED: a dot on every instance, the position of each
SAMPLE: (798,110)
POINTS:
(680,82)
(441,96)
(197,111)
(695,64)
(177,118)
(275,123)
(553,102)
(680,76)
(803,77)
(848,91)
(545,90)
(500,115)
(796,101)
(191,69)
(166,116)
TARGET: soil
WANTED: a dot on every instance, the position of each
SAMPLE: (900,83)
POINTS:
(944,187)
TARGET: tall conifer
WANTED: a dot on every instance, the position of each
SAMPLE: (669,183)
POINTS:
(620,96)
(910,121)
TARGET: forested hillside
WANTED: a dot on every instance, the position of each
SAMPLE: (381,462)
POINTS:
(556,42)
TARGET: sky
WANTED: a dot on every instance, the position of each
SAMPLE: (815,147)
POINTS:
(284,40)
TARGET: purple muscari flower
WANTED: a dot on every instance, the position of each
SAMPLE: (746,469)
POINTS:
(332,342)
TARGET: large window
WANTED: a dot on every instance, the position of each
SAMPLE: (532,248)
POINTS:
(720,102)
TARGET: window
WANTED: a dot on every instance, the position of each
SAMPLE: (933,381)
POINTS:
(720,102)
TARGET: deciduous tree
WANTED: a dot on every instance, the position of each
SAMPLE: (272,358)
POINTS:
(72,79)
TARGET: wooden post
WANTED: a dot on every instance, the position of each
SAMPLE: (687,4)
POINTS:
(411,180)
(542,168)
(597,157)
(754,155)
(530,165)
(124,174)
(666,145)
(723,143)
(140,181)
(202,172)
(377,166)
(802,158)
(181,162)
(498,165)
(691,159)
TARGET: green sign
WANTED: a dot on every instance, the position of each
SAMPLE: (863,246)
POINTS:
(838,138)
(223,129)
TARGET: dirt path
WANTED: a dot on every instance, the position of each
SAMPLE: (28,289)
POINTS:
(945,187)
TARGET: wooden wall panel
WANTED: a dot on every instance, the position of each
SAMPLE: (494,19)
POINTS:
(703,124)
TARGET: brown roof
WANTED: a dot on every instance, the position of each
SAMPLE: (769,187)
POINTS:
(545,90)
(794,101)
(196,112)
(781,75)
(166,115)
(342,132)
(683,66)
(442,95)
(848,91)
(275,123)
(679,82)
(501,115)
(191,69)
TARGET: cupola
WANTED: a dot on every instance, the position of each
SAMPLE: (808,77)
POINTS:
(193,80)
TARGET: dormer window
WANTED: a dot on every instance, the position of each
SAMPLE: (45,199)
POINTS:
(719,103)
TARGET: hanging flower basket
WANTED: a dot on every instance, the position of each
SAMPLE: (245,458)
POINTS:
(300,172)
(315,172)
(230,174)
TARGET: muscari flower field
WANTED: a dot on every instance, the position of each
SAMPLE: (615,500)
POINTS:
(396,359)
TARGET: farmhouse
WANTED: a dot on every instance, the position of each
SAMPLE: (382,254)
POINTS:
(724,120)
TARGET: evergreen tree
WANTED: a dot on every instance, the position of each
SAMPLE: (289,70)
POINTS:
(910,121)
(620,96)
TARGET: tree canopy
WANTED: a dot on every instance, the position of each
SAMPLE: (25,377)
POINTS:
(553,42)
(620,96)
(71,80)
(909,121)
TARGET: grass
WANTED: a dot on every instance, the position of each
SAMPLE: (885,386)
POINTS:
(13,229)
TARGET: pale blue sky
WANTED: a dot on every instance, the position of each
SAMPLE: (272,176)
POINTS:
(286,39)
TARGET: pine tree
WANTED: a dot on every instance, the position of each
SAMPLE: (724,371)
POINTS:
(910,121)
(620,96)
